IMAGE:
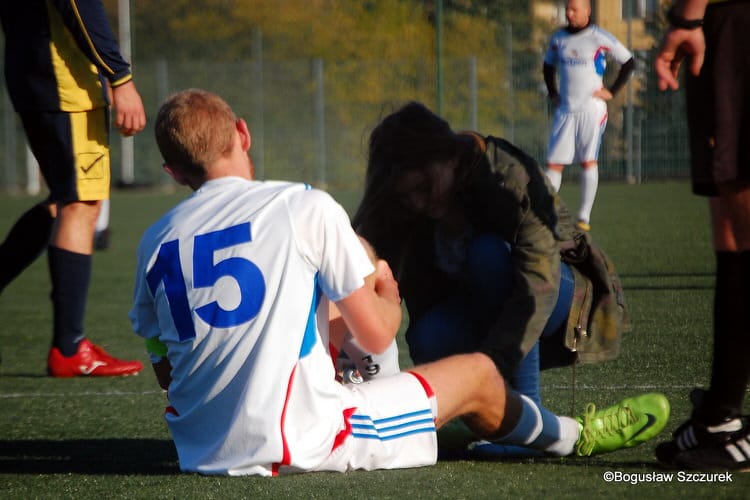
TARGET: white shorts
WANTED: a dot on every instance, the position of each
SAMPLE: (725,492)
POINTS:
(392,427)
(577,136)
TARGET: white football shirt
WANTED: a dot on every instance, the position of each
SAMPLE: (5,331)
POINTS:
(234,281)
(581,59)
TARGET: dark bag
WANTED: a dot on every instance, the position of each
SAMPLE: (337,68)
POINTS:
(598,315)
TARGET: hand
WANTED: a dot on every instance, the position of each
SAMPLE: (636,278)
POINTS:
(675,46)
(604,94)
(130,117)
(385,285)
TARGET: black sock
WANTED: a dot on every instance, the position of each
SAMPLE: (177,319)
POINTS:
(26,240)
(730,368)
(70,273)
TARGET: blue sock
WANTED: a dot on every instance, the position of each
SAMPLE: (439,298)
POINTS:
(529,425)
(526,377)
(551,430)
(540,430)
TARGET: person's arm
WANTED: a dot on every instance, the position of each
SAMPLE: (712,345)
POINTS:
(369,364)
(373,313)
(549,71)
(87,21)
(535,256)
(684,38)
(523,315)
(129,113)
(337,329)
(157,351)
(622,77)
(367,296)
(689,9)
(145,322)
(163,371)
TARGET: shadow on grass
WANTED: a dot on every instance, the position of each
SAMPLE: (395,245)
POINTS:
(605,461)
(89,456)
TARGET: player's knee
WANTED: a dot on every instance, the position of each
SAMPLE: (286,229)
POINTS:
(489,398)
(490,384)
(84,211)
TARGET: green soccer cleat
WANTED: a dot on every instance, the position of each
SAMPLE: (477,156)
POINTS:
(630,422)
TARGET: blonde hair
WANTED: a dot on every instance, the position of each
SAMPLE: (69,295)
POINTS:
(193,129)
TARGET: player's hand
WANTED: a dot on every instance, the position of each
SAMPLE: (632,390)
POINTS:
(604,94)
(130,117)
(676,45)
(386,285)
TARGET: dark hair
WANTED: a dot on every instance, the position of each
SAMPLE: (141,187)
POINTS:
(410,138)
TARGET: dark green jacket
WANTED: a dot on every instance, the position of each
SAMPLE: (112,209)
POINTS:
(507,193)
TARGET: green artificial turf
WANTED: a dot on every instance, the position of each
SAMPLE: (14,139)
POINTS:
(105,438)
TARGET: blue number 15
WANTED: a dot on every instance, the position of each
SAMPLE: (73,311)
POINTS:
(168,270)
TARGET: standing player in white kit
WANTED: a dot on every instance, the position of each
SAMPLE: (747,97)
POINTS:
(232,292)
(579,53)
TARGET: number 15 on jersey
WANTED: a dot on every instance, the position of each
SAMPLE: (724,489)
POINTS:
(167,269)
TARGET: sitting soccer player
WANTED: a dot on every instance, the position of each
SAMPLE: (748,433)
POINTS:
(231,294)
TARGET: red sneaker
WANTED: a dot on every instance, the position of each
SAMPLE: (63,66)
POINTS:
(90,360)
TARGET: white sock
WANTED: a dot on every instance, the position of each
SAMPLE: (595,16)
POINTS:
(589,184)
(568,437)
(555,178)
(102,222)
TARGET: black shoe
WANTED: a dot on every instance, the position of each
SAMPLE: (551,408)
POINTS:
(732,454)
(694,434)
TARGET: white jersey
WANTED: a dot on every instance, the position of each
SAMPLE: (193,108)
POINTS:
(253,383)
(580,59)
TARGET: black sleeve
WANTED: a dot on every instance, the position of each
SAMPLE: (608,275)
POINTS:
(549,80)
(87,21)
(622,77)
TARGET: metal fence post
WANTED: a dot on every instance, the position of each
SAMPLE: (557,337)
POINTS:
(127,149)
(257,151)
(320,120)
(11,145)
(473,93)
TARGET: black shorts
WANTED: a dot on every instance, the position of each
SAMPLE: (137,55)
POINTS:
(73,152)
(718,101)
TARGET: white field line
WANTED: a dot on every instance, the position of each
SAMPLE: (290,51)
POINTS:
(554,387)
(589,387)
(13,395)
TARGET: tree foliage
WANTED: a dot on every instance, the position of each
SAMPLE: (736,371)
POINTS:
(375,53)
(331,29)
